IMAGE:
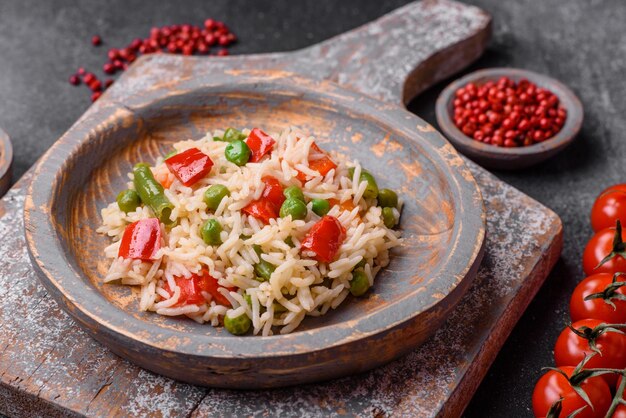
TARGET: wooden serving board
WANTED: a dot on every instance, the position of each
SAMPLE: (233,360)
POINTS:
(49,366)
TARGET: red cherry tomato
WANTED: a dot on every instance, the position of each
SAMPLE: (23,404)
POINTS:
(189,166)
(620,412)
(141,240)
(599,247)
(325,238)
(598,308)
(571,349)
(553,386)
(609,206)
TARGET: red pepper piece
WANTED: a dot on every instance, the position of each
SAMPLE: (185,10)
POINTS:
(319,162)
(325,238)
(260,144)
(273,191)
(191,289)
(189,166)
(268,205)
(262,209)
(141,240)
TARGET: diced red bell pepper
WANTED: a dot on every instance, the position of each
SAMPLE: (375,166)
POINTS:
(325,239)
(273,191)
(260,144)
(191,289)
(262,209)
(320,163)
(189,166)
(268,205)
(141,240)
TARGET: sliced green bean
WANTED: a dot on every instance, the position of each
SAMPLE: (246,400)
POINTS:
(151,193)
(128,200)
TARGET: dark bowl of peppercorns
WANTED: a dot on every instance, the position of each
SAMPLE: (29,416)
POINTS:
(506,118)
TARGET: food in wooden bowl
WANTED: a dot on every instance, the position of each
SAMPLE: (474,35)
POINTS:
(508,118)
(249,230)
(443,226)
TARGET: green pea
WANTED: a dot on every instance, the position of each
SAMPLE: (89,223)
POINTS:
(387,198)
(294,207)
(388,218)
(359,283)
(248,299)
(293,192)
(170,154)
(210,232)
(263,270)
(320,206)
(128,200)
(238,325)
(237,152)
(214,195)
(371,191)
(232,134)
(361,264)
(278,308)
(289,241)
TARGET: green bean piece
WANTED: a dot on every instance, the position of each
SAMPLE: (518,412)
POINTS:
(289,241)
(151,193)
(232,134)
(263,270)
(320,206)
(293,192)
(128,200)
(237,152)
(213,195)
(371,191)
(248,299)
(387,198)
(388,218)
(294,207)
(210,232)
(217,138)
(170,154)
(257,249)
(359,283)
(238,325)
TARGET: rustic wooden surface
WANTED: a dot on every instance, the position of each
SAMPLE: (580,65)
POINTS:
(42,346)
(518,157)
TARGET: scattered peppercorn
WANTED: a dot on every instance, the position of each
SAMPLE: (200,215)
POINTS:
(506,113)
(183,39)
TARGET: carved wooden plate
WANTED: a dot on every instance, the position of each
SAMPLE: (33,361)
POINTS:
(442,225)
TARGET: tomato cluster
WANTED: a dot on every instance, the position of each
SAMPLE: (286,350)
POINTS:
(590,353)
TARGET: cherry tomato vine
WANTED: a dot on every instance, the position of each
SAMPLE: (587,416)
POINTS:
(590,353)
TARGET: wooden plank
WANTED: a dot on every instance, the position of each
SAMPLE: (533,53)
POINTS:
(50,367)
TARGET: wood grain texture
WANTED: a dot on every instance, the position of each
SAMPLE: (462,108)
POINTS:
(523,242)
(503,158)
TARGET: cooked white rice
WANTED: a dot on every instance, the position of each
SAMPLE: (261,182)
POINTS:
(302,285)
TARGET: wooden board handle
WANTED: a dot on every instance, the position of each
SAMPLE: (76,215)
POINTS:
(399,55)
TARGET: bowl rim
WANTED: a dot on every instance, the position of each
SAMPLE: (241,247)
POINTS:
(6,153)
(51,261)
(564,137)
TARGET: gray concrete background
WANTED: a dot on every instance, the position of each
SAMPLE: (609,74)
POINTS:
(581,42)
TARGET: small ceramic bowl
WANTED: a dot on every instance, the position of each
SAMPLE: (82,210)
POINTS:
(491,156)
(6,162)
